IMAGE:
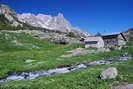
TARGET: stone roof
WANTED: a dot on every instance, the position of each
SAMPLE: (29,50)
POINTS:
(115,33)
(93,38)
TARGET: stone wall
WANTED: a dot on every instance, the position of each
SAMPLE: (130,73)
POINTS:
(99,42)
(114,41)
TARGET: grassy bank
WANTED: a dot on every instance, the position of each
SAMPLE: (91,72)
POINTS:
(79,79)
(46,59)
(15,49)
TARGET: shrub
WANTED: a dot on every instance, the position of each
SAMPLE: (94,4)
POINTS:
(130,42)
(71,34)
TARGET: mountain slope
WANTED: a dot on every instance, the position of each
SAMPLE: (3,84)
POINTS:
(9,20)
(58,23)
(9,14)
(13,41)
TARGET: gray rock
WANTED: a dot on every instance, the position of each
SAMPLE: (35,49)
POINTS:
(109,73)
(60,39)
(10,14)
(29,61)
(77,52)
(16,43)
(128,86)
(34,46)
(103,50)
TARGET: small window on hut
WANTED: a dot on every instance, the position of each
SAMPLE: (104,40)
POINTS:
(91,42)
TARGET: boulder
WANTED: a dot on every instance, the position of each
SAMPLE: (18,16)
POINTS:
(109,73)
(29,60)
(60,39)
(77,52)
(128,86)
(103,50)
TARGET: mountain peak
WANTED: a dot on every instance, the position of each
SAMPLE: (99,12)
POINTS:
(50,22)
(60,15)
(57,23)
(9,14)
(4,9)
(3,6)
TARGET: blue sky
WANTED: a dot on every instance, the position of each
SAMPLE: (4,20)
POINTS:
(91,15)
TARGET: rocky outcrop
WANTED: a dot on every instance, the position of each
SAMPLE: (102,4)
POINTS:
(9,14)
(59,38)
(46,21)
(129,36)
(77,52)
(128,86)
(109,73)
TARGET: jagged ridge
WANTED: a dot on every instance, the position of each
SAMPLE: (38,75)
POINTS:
(50,22)
(38,22)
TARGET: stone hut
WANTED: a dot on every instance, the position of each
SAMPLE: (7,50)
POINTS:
(114,40)
(111,40)
(94,41)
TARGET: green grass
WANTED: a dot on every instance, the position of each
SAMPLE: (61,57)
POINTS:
(92,48)
(45,59)
(47,56)
(13,55)
(22,41)
(79,79)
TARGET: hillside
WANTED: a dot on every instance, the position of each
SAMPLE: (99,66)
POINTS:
(5,24)
(32,57)
(21,52)
(22,41)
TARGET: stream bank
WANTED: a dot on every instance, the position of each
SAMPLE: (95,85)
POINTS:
(33,75)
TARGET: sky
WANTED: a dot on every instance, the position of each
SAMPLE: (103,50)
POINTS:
(104,16)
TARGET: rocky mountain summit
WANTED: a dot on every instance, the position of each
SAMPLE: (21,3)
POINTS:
(46,21)
(58,22)
(54,23)
(10,15)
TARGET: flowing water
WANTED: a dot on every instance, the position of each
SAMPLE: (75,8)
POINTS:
(33,75)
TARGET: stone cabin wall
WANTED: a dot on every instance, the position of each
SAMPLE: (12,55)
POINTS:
(116,40)
(111,40)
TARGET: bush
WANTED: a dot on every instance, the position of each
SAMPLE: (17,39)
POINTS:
(130,50)
(130,42)
(71,34)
